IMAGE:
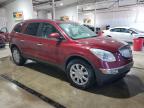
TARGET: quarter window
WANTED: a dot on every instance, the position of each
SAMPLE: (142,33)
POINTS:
(18,28)
(32,29)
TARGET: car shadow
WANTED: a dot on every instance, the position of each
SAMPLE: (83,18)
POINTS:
(128,87)
(47,69)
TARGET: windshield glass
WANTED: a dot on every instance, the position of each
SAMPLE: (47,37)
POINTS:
(77,31)
(136,30)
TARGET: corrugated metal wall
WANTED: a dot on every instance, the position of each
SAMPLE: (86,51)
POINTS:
(3,21)
(114,13)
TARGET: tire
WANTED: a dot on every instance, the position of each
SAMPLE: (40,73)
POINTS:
(17,57)
(82,79)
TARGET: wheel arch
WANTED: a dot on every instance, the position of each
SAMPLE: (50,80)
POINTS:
(94,75)
(77,57)
(13,45)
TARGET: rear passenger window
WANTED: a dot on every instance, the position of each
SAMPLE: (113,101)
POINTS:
(32,29)
(18,28)
(46,29)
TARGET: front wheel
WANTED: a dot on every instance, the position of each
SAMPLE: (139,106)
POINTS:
(80,74)
(17,57)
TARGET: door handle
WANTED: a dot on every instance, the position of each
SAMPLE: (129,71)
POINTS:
(39,44)
(22,40)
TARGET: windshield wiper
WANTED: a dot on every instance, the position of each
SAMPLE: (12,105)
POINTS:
(94,36)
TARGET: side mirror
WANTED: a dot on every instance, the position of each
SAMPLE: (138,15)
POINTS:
(55,36)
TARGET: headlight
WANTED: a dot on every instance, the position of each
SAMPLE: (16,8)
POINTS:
(103,55)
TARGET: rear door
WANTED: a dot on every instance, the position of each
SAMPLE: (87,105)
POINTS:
(30,39)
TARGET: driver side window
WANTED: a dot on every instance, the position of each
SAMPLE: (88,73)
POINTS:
(46,29)
(123,30)
(132,32)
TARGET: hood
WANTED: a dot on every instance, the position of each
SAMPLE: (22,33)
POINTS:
(141,34)
(104,43)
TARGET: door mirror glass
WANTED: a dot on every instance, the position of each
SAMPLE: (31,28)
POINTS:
(54,35)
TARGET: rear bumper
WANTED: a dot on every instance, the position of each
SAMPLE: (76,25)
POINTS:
(106,75)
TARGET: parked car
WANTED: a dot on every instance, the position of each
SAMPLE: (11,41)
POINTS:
(5,32)
(90,27)
(77,50)
(126,34)
(93,28)
(2,41)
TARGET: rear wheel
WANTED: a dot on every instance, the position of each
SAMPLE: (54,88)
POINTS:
(17,57)
(80,74)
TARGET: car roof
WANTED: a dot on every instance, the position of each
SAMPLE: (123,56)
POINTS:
(48,20)
(121,27)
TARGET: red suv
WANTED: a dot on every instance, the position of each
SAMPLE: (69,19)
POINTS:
(5,33)
(85,57)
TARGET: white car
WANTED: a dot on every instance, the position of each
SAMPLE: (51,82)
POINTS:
(126,34)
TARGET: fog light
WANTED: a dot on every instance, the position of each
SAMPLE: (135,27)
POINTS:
(113,71)
(110,71)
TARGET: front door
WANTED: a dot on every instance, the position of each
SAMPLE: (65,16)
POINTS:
(115,33)
(121,34)
(50,49)
(125,35)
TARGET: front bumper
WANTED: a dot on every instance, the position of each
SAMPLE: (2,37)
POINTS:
(115,71)
(106,75)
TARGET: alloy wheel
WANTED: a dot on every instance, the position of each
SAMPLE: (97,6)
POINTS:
(79,74)
(16,55)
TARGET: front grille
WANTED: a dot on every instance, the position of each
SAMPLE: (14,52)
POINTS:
(126,51)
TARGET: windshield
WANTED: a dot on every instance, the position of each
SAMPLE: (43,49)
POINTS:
(136,30)
(77,31)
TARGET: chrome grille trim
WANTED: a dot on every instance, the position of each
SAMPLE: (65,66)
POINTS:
(124,48)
